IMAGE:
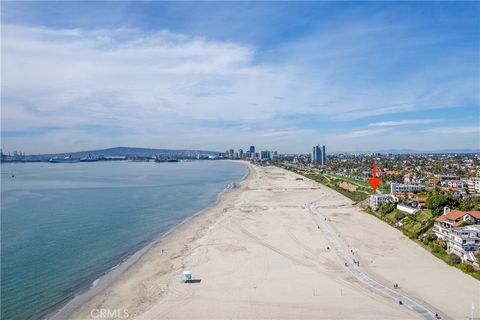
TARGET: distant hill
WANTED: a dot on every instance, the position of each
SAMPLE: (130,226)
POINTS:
(126,151)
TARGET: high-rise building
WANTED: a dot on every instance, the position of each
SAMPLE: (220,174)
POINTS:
(265,155)
(319,155)
(252,151)
(240,153)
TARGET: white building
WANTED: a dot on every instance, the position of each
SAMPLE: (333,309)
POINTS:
(407,209)
(464,241)
(453,184)
(399,187)
(379,198)
(408,179)
(453,219)
(473,185)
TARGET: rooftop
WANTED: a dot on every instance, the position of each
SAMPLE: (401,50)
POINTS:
(455,215)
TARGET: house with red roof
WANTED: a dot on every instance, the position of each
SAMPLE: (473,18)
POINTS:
(452,219)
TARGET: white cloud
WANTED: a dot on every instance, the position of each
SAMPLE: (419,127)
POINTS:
(69,77)
(105,87)
(403,122)
(359,133)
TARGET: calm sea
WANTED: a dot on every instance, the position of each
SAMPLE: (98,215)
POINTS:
(63,225)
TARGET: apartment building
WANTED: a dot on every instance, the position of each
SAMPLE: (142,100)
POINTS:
(473,184)
(453,184)
(452,219)
(400,187)
(377,199)
(464,242)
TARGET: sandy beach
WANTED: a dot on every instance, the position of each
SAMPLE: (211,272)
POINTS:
(258,254)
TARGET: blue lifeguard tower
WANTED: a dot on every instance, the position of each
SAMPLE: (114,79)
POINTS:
(187,276)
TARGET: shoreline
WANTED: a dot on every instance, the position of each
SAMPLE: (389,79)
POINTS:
(108,277)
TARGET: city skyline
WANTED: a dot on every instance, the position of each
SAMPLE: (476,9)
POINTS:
(214,75)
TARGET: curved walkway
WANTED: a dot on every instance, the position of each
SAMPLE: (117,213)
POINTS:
(350,266)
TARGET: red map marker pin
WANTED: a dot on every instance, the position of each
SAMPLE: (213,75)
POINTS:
(374,181)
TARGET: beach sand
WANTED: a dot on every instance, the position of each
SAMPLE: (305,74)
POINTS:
(258,254)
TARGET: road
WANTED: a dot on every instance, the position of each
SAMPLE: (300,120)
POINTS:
(347,261)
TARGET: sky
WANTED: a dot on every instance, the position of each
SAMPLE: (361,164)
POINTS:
(282,76)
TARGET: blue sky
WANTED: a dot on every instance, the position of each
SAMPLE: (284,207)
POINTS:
(215,75)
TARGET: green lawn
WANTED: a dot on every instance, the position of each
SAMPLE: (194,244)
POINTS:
(391,217)
(423,215)
(411,225)
(359,183)
(363,185)
(384,187)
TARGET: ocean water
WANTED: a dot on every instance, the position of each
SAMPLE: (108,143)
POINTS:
(63,225)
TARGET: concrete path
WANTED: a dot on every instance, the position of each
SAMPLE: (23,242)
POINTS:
(347,261)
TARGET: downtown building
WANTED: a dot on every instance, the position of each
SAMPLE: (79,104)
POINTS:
(252,152)
(318,155)
(265,155)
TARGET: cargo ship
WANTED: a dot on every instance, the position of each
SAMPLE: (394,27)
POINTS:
(158,159)
(67,159)
(88,159)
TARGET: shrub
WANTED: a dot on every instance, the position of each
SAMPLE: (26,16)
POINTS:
(454,259)
(399,215)
(469,268)
(470,203)
(430,237)
(444,244)
(438,202)
(438,248)
(386,208)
